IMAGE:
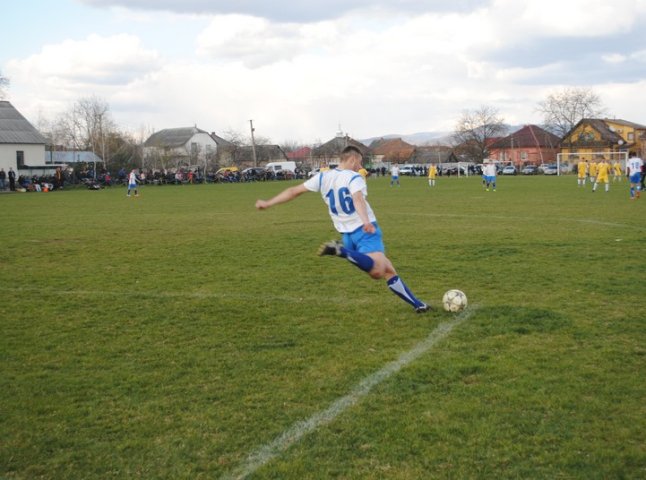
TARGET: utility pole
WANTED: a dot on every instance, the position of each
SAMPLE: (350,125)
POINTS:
(253,144)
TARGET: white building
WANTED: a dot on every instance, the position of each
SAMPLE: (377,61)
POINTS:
(21,145)
(173,147)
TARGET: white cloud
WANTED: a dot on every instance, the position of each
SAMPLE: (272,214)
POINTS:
(62,73)
(96,60)
(614,58)
(374,71)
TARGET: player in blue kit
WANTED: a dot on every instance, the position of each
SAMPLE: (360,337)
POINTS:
(132,183)
(344,191)
(633,169)
(489,173)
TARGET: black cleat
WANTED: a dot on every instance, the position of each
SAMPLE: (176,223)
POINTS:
(333,247)
(423,308)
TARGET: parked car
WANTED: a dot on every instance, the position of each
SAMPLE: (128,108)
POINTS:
(408,170)
(509,170)
(454,171)
(550,169)
(256,174)
(529,170)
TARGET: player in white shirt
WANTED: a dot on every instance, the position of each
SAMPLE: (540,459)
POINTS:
(489,173)
(394,175)
(132,183)
(344,191)
(634,169)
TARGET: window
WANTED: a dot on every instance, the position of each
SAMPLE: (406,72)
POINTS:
(631,136)
(20,158)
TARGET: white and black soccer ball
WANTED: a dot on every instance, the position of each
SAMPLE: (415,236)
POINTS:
(454,301)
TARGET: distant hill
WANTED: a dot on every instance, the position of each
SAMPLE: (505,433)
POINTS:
(428,138)
(420,138)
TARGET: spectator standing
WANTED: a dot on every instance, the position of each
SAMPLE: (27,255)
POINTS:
(3,178)
(12,180)
(59,178)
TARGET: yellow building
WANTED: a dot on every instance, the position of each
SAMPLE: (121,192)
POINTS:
(591,138)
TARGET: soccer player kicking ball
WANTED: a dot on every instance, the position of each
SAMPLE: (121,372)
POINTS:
(344,191)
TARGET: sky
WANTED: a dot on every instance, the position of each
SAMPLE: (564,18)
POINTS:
(305,70)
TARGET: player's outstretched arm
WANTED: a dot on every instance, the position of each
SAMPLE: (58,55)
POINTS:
(285,196)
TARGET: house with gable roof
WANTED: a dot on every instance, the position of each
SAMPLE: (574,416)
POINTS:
(436,154)
(600,136)
(175,147)
(393,150)
(244,155)
(21,145)
(529,145)
(329,152)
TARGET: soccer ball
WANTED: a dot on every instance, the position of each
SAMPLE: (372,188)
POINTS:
(454,301)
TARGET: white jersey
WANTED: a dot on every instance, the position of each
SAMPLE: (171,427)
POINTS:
(490,170)
(132,180)
(395,171)
(337,187)
(634,165)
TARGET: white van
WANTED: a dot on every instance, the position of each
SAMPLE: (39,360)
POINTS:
(281,166)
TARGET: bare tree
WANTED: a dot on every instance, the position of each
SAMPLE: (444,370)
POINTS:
(4,83)
(475,130)
(291,146)
(241,140)
(562,110)
(87,125)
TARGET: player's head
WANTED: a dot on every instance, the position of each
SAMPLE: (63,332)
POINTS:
(349,151)
(351,154)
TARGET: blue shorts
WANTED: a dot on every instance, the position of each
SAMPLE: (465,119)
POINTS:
(489,178)
(363,242)
(636,178)
(132,186)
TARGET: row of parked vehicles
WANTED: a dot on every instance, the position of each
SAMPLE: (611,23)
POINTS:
(288,171)
(545,169)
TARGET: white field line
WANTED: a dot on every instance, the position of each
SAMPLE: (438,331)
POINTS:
(264,454)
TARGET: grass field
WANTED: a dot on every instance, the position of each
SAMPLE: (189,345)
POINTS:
(174,335)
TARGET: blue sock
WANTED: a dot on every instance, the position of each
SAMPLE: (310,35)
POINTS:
(400,289)
(364,262)
(632,191)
